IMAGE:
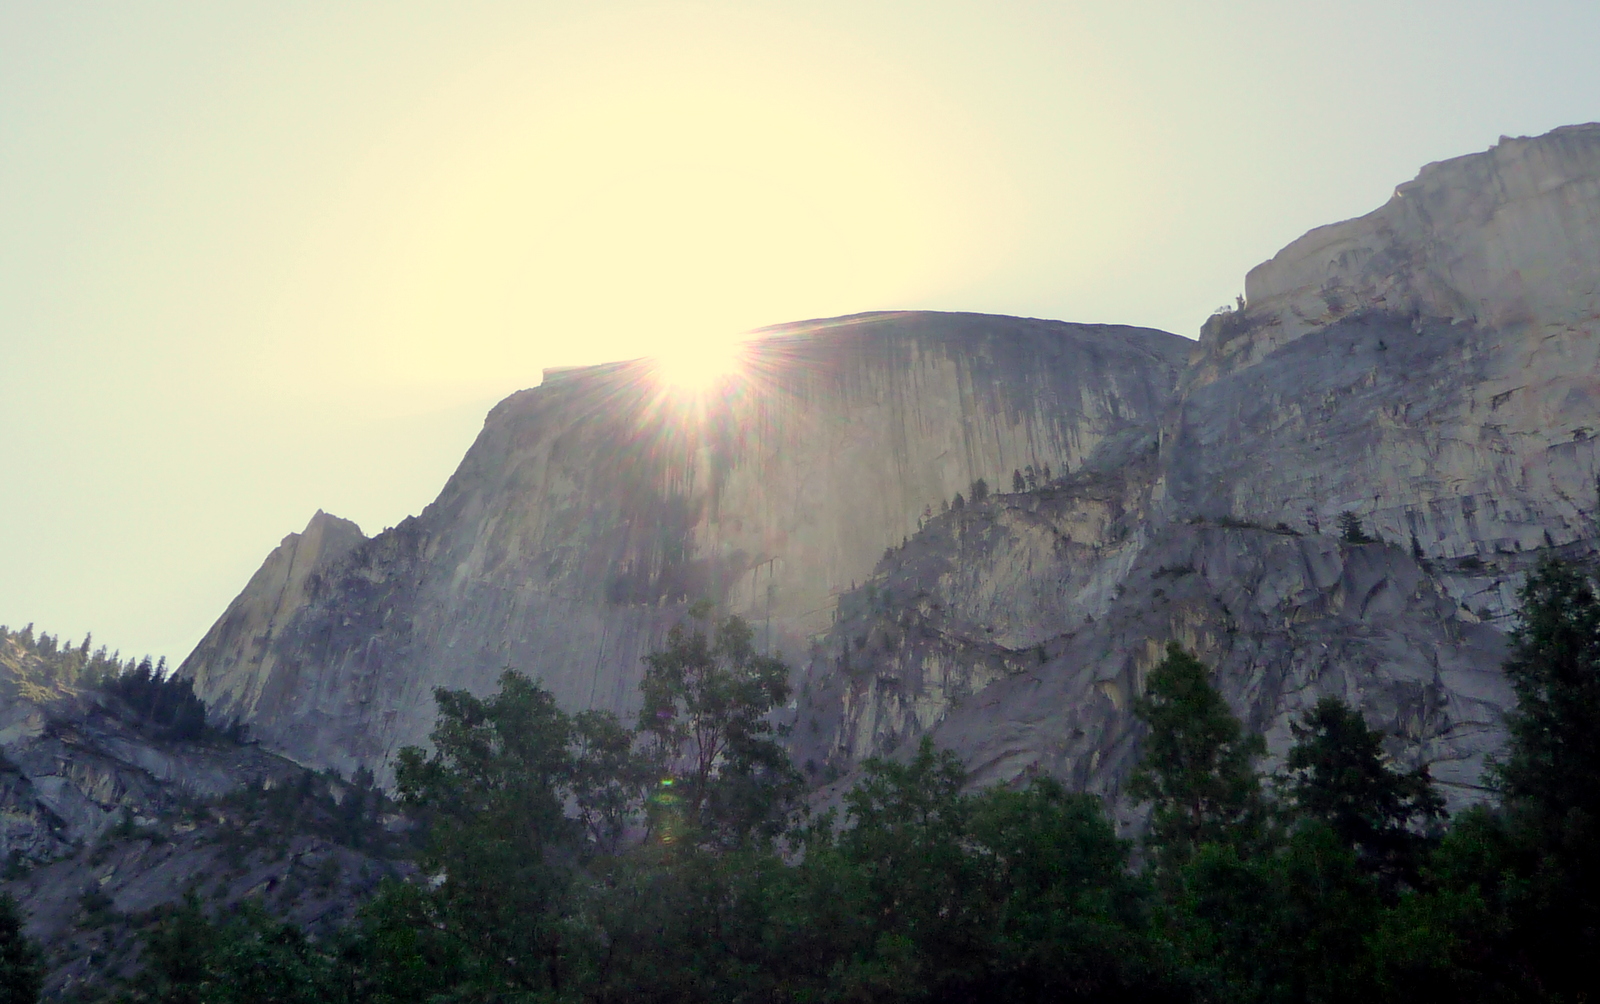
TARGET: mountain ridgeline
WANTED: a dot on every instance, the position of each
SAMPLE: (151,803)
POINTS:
(1337,491)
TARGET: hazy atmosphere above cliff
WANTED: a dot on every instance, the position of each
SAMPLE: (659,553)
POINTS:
(261,259)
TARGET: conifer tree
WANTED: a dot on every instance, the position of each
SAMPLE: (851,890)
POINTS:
(1350,529)
(21,965)
(1198,765)
(1550,777)
(1337,775)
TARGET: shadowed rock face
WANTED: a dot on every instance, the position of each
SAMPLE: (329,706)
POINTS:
(1019,631)
(92,806)
(1430,367)
(591,509)
(70,768)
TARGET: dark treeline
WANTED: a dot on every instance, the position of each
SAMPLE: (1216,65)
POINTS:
(158,701)
(575,858)
(144,694)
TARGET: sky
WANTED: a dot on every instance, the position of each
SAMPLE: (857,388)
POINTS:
(258,259)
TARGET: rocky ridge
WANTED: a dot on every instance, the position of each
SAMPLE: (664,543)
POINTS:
(1430,368)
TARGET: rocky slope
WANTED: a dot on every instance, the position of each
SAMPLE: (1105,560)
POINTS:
(1430,367)
(104,825)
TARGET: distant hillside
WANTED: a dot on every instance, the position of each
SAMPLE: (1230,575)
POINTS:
(117,797)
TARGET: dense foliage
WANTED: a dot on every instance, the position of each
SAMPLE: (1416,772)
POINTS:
(143,694)
(21,966)
(159,701)
(571,858)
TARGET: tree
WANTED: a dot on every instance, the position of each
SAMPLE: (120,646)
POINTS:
(610,777)
(1552,768)
(905,847)
(979,490)
(1350,530)
(1280,923)
(21,964)
(1068,921)
(928,892)
(706,702)
(958,503)
(1512,907)
(1337,775)
(1550,776)
(1198,765)
(492,794)
(1017,482)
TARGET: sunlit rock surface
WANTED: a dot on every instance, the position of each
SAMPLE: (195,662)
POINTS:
(593,508)
(1430,367)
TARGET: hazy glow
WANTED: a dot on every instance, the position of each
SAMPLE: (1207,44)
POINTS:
(696,365)
(257,259)
(632,183)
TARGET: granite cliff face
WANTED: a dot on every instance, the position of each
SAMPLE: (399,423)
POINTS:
(1430,367)
(593,508)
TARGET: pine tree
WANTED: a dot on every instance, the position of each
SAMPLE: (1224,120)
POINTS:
(1553,767)
(1350,530)
(1550,777)
(21,964)
(1198,764)
(1337,775)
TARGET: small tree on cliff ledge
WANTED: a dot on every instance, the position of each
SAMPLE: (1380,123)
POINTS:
(1351,531)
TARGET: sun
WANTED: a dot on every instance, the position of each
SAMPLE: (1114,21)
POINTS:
(696,366)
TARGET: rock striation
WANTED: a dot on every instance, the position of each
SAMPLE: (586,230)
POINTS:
(1432,368)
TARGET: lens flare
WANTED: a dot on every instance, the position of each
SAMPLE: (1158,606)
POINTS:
(696,366)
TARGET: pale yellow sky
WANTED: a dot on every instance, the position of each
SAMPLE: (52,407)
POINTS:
(257,259)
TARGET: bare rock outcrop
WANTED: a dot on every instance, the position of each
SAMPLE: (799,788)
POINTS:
(1432,368)
(1019,631)
(593,508)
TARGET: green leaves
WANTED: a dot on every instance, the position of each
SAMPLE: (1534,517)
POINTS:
(706,702)
(549,874)
(996,894)
(1337,775)
(493,793)
(1198,765)
(1553,767)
